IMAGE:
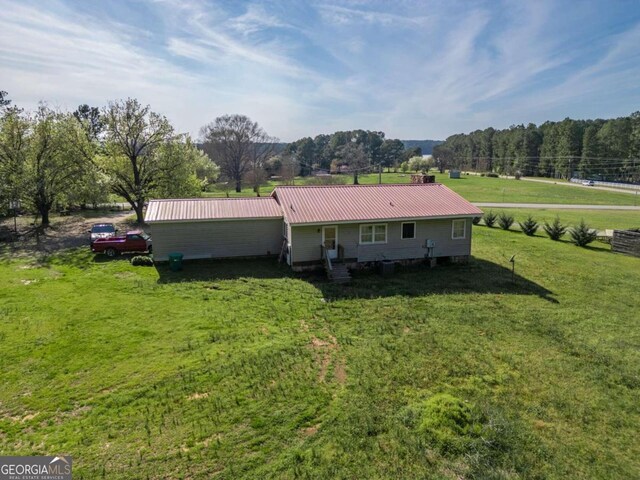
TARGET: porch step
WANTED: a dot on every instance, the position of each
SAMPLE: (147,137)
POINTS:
(339,274)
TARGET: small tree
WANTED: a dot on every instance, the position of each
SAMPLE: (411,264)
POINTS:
(419,164)
(582,235)
(556,230)
(505,221)
(529,226)
(404,167)
(490,219)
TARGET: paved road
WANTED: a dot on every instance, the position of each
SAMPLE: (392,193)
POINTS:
(557,206)
(573,184)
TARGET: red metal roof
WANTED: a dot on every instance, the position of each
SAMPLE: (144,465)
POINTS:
(193,209)
(357,203)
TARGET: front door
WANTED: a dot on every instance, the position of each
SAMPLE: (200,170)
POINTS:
(330,241)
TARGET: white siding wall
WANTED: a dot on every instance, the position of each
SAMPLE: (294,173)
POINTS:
(306,242)
(218,239)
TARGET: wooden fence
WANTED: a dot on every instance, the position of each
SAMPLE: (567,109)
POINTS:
(626,241)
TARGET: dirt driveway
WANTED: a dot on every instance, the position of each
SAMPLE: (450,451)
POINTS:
(64,232)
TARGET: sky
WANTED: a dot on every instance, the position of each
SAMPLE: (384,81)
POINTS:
(412,69)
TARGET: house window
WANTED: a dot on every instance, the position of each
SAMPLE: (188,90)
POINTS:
(408,230)
(458,229)
(373,234)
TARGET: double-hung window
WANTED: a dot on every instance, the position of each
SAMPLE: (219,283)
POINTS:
(458,229)
(408,230)
(370,234)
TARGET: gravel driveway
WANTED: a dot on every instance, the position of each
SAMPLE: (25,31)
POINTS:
(64,232)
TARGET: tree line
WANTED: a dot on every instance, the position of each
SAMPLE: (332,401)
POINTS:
(50,158)
(595,149)
(357,150)
(247,154)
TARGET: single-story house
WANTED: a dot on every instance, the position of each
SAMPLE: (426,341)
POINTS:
(351,224)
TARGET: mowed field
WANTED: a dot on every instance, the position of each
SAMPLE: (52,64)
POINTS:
(241,369)
(485,189)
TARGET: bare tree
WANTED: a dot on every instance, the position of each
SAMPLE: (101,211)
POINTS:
(289,168)
(239,146)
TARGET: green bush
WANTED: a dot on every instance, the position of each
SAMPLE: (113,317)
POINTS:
(529,226)
(582,235)
(448,423)
(505,221)
(556,230)
(142,261)
(492,174)
(490,219)
(476,220)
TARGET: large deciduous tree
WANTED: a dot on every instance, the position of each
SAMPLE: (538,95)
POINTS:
(391,153)
(14,137)
(239,146)
(355,156)
(52,168)
(133,137)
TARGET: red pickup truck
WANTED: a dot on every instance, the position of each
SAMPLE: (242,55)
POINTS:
(134,241)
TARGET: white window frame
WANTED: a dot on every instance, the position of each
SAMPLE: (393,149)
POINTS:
(373,233)
(464,228)
(402,231)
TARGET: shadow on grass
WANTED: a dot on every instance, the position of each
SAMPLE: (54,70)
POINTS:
(228,269)
(478,276)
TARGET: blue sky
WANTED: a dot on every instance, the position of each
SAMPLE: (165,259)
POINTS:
(413,69)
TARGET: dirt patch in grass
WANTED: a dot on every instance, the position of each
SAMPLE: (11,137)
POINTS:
(19,419)
(310,431)
(63,233)
(340,372)
(325,352)
(198,396)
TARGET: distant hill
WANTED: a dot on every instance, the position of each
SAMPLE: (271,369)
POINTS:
(425,145)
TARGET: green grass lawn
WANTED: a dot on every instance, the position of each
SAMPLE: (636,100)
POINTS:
(241,369)
(484,189)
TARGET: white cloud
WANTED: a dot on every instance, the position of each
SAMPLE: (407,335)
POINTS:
(347,16)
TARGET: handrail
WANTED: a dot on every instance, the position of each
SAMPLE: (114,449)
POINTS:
(325,257)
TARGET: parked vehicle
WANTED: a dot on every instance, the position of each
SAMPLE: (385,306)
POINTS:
(588,183)
(102,230)
(134,241)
